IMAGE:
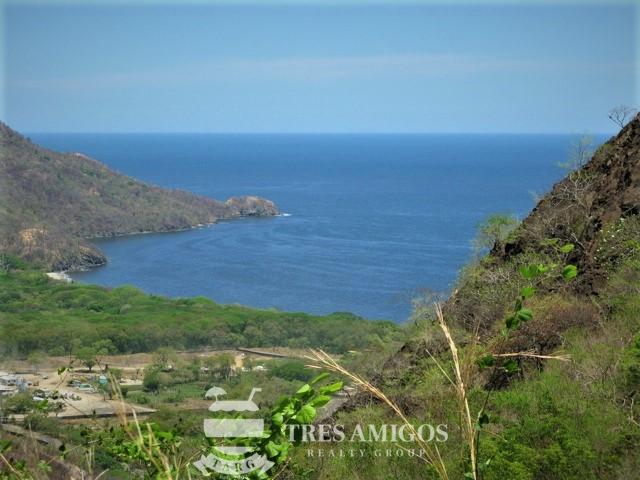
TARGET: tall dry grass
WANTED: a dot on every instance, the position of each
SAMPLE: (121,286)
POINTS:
(460,379)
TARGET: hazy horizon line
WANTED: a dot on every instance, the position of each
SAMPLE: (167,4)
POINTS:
(275,133)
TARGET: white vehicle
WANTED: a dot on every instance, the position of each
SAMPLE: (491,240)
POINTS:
(86,388)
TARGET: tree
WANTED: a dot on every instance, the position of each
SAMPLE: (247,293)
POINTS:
(10,262)
(104,347)
(20,403)
(151,381)
(496,228)
(210,364)
(5,264)
(620,114)
(292,370)
(194,366)
(225,363)
(165,358)
(581,152)
(87,356)
(578,182)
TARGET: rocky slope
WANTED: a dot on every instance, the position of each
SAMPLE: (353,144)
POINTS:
(51,202)
(577,209)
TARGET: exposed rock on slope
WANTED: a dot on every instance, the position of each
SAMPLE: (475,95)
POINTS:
(576,210)
(50,202)
(606,189)
(250,206)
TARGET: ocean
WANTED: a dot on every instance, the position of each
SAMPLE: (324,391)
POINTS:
(370,222)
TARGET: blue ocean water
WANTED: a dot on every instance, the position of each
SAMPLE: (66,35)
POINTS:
(373,219)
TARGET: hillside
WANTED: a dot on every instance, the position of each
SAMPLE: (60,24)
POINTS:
(591,200)
(51,202)
(547,328)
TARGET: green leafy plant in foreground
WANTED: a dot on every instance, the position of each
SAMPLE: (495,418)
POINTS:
(534,275)
(300,409)
(156,453)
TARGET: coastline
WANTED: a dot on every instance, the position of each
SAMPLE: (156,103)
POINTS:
(63,274)
(146,232)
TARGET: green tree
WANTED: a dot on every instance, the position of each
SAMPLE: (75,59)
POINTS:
(292,370)
(225,363)
(210,363)
(154,380)
(151,381)
(104,347)
(20,403)
(496,228)
(165,358)
(88,357)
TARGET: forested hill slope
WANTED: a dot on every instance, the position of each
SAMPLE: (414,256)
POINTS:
(50,202)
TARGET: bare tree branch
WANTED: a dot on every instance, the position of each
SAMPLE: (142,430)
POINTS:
(620,114)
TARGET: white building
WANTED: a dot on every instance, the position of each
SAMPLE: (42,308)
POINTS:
(6,390)
(8,379)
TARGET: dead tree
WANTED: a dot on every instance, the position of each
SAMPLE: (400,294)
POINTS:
(620,114)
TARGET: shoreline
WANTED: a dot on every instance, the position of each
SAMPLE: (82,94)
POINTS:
(84,268)
(185,229)
(146,232)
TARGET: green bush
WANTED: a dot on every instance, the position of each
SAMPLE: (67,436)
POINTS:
(291,370)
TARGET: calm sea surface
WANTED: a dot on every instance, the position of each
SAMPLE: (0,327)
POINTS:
(371,219)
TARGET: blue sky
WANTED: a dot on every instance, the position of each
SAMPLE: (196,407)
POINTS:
(376,68)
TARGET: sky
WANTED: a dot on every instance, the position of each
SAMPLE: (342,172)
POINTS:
(317,68)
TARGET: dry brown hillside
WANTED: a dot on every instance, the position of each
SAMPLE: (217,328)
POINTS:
(51,202)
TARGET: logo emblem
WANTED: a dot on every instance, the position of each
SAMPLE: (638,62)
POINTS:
(232,460)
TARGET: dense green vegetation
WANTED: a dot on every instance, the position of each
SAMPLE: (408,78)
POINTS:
(40,314)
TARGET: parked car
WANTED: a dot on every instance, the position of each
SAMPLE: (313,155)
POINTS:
(86,388)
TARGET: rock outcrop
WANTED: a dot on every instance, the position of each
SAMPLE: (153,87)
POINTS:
(251,206)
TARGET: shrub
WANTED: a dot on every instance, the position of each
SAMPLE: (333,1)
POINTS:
(292,370)
(618,243)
